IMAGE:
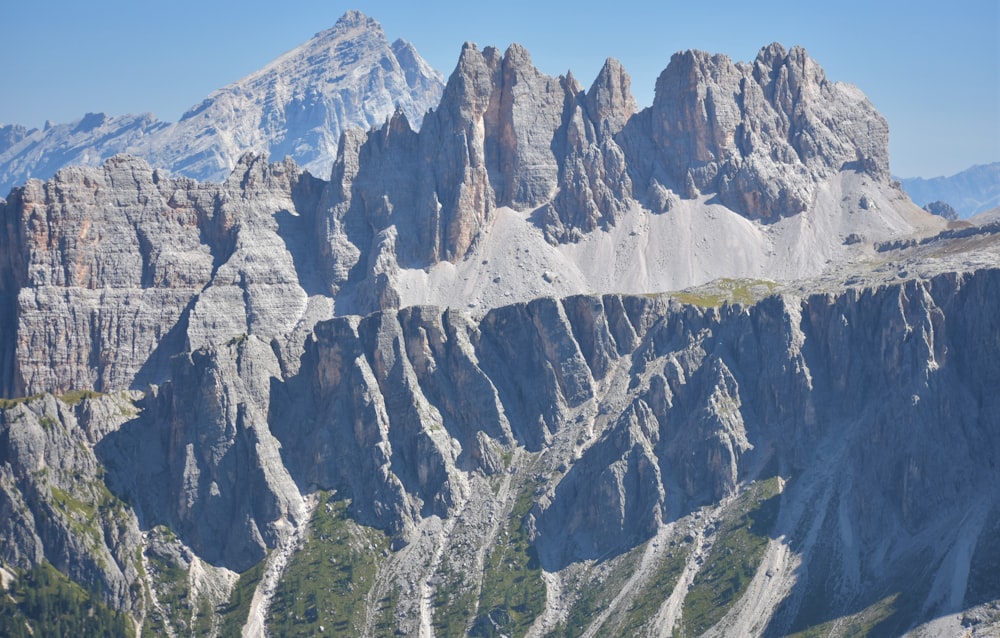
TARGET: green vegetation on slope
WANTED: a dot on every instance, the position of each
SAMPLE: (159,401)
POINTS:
(596,593)
(859,624)
(513,592)
(454,602)
(646,605)
(739,547)
(328,579)
(186,610)
(88,507)
(75,396)
(732,291)
(235,614)
(44,602)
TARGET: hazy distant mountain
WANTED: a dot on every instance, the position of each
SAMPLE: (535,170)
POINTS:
(972,191)
(88,141)
(297,106)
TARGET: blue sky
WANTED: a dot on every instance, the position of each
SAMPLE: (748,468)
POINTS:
(932,68)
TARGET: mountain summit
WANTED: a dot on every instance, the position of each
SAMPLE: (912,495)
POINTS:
(297,106)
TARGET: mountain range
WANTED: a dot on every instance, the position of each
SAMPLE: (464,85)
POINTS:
(972,191)
(297,106)
(545,364)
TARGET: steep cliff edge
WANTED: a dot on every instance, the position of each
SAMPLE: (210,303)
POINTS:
(109,272)
(863,419)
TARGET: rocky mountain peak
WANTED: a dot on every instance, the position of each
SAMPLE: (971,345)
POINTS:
(762,135)
(297,106)
(610,96)
(354,19)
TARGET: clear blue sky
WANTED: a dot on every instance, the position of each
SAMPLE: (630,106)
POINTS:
(932,68)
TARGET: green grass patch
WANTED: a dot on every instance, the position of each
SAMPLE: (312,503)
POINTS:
(44,602)
(655,592)
(82,515)
(70,398)
(740,543)
(328,579)
(88,507)
(188,613)
(75,396)
(385,614)
(513,592)
(10,403)
(236,613)
(597,590)
(235,341)
(722,291)
(173,590)
(454,602)
(860,624)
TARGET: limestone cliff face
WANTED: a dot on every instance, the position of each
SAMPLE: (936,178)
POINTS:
(54,502)
(765,138)
(486,145)
(625,417)
(761,135)
(504,135)
(202,459)
(108,272)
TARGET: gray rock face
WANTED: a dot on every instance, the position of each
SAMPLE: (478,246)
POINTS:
(764,138)
(761,135)
(594,181)
(297,106)
(268,251)
(205,443)
(54,502)
(109,272)
(485,146)
(874,404)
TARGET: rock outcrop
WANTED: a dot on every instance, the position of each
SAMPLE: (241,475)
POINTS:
(763,136)
(767,140)
(54,502)
(110,272)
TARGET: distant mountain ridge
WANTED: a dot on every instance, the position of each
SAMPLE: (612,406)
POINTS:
(297,106)
(970,192)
